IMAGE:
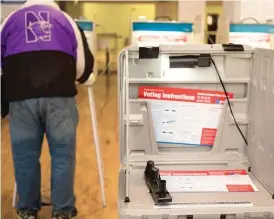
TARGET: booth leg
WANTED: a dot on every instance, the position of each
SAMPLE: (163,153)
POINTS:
(97,143)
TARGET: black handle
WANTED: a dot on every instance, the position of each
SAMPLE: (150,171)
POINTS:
(190,61)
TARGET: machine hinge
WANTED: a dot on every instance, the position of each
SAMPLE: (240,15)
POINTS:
(233,47)
(149,52)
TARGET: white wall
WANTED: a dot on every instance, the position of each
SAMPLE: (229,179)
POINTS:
(193,12)
(232,9)
(188,10)
(7,8)
(259,9)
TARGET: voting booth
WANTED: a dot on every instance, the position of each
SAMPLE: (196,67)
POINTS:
(90,32)
(161,32)
(256,35)
(253,34)
(196,131)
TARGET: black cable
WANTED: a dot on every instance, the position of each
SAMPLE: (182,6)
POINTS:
(228,101)
(249,18)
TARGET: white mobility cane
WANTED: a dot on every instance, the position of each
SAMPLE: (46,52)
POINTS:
(14,195)
(96,140)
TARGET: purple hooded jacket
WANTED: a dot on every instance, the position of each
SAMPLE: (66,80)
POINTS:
(43,52)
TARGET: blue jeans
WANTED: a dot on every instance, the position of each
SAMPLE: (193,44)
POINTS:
(30,120)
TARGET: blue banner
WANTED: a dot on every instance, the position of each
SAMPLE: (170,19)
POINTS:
(252,28)
(162,26)
(85,25)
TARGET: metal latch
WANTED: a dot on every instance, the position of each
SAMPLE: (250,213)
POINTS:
(136,119)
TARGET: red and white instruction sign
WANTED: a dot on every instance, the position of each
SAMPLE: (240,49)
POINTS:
(161,37)
(208,181)
(260,40)
(184,116)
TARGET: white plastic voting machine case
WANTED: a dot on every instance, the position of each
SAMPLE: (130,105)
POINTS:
(215,158)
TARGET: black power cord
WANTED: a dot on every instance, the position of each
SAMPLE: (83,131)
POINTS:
(228,101)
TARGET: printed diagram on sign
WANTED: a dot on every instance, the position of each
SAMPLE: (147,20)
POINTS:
(184,116)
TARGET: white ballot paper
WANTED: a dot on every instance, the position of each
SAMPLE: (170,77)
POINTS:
(208,181)
(184,116)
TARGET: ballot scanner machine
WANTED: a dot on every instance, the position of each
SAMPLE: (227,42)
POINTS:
(196,132)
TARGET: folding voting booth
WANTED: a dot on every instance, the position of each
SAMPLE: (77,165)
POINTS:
(161,32)
(196,131)
(256,35)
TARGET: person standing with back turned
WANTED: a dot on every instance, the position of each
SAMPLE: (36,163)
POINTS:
(44,54)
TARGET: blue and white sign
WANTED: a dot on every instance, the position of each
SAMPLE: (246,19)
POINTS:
(255,35)
(155,32)
(85,25)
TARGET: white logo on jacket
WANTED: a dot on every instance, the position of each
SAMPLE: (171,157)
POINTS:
(37,26)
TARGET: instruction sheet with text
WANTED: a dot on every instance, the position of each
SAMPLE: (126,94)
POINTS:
(184,116)
(208,181)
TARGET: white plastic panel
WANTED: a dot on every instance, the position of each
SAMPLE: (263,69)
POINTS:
(234,69)
(142,205)
(261,117)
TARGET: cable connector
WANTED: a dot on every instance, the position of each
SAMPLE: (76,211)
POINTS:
(157,187)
